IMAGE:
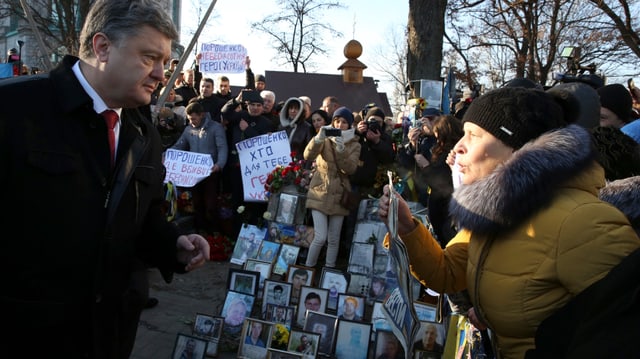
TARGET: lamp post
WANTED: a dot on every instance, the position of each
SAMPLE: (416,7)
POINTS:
(20,44)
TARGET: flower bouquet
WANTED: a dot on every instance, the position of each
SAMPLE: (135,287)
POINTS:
(296,174)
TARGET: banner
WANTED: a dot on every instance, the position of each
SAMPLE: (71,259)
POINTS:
(258,157)
(220,58)
(186,169)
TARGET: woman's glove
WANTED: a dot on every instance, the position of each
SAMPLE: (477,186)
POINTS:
(339,141)
(320,136)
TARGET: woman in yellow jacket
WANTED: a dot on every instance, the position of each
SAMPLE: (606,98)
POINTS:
(533,233)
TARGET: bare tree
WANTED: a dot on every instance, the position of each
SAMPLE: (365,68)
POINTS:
(56,21)
(424,37)
(297,32)
(391,60)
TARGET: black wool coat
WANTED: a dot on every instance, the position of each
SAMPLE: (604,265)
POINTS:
(83,234)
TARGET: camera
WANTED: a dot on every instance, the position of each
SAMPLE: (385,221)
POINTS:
(333,132)
(373,125)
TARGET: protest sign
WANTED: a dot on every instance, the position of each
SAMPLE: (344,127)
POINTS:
(258,157)
(186,169)
(221,58)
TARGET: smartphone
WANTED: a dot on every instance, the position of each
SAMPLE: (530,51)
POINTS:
(333,132)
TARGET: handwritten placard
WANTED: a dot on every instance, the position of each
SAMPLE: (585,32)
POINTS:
(186,169)
(220,58)
(258,157)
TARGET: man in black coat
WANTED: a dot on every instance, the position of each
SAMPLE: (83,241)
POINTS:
(88,228)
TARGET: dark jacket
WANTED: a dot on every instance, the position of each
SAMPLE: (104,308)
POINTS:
(298,130)
(258,125)
(84,231)
(600,322)
(372,155)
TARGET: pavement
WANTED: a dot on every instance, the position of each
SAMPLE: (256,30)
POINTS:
(200,291)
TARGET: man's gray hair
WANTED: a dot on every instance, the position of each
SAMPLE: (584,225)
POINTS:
(121,19)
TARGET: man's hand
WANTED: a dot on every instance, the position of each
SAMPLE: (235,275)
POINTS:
(193,251)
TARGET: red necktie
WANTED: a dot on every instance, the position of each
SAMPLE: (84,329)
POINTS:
(111,118)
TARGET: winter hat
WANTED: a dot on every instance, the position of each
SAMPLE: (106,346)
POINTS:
(431,112)
(259,78)
(375,111)
(618,153)
(583,101)
(515,115)
(250,96)
(522,82)
(624,194)
(617,99)
(344,113)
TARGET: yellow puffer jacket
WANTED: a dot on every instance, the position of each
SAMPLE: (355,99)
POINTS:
(530,241)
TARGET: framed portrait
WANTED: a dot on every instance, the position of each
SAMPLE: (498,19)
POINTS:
(381,265)
(243,281)
(207,326)
(351,307)
(255,339)
(237,306)
(387,345)
(425,311)
(210,328)
(287,256)
(281,314)
(275,292)
(361,258)
(378,320)
(264,268)
(248,243)
(424,338)
(298,276)
(371,232)
(311,298)
(268,251)
(188,346)
(282,354)
(379,289)
(336,281)
(287,205)
(359,284)
(304,342)
(325,325)
(352,339)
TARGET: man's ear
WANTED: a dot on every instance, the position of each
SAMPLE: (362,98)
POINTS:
(101,46)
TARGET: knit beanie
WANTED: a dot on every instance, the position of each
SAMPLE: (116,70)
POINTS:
(583,99)
(375,111)
(516,115)
(344,113)
(259,78)
(617,99)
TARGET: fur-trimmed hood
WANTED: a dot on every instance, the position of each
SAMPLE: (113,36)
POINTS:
(524,184)
(284,113)
(624,194)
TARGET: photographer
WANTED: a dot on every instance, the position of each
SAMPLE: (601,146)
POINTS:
(415,155)
(376,149)
(169,128)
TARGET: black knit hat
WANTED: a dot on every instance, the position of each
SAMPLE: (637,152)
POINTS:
(516,115)
(375,111)
(260,78)
(616,98)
